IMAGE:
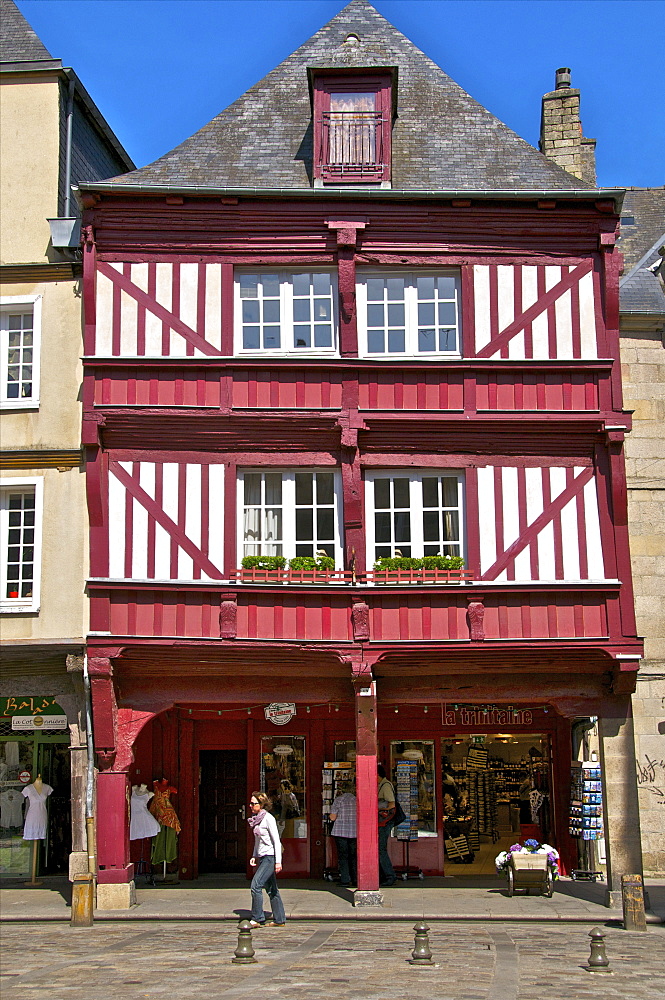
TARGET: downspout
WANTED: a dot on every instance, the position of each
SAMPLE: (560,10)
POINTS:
(90,777)
(68,147)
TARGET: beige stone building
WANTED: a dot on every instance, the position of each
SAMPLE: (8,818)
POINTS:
(52,137)
(642,309)
(642,328)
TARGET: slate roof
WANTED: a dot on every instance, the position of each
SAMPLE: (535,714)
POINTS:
(443,140)
(18,41)
(641,289)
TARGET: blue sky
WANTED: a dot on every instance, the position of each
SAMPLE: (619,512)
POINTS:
(160,69)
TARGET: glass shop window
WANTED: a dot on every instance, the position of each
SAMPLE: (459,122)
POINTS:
(283,778)
(422,753)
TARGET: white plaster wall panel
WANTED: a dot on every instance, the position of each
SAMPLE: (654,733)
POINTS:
(486,517)
(481,286)
(164,295)
(215,516)
(594,545)
(213,305)
(564,325)
(588,330)
(104,316)
(116,515)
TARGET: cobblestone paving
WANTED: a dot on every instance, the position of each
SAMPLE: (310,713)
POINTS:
(344,960)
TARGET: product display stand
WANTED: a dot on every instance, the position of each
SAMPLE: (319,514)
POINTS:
(586,816)
(334,774)
(34,882)
(406,790)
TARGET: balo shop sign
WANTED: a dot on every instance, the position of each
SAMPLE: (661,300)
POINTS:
(280,712)
(33,712)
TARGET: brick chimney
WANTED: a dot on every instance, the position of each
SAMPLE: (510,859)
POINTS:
(561,138)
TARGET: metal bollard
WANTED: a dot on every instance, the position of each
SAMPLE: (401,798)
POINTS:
(83,900)
(632,899)
(422,954)
(244,953)
(598,960)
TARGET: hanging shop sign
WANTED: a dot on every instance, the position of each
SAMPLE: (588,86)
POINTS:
(280,712)
(21,723)
(31,705)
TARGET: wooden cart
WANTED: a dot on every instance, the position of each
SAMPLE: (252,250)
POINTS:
(530,871)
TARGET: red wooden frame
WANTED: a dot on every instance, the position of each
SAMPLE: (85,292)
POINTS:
(378,84)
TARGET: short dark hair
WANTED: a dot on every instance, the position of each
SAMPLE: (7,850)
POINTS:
(380,770)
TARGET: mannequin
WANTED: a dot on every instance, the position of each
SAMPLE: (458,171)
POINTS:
(36,819)
(165,844)
(141,824)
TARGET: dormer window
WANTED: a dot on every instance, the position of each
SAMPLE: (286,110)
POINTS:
(352,124)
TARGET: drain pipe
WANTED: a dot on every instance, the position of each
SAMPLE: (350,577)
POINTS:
(68,147)
(83,889)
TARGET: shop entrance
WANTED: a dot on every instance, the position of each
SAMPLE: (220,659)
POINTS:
(223,811)
(496,791)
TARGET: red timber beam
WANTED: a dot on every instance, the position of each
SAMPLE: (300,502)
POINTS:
(367,829)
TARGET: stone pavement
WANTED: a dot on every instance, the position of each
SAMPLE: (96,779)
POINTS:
(223,898)
(151,960)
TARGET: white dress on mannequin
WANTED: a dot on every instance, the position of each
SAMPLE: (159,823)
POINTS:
(141,823)
(36,818)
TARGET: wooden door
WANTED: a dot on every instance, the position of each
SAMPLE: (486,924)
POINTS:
(223,808)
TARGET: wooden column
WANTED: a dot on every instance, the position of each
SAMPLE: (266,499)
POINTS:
(366,783)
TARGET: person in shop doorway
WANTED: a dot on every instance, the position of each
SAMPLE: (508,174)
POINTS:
(386,817)
(343,815)
(526,786)
(267,859)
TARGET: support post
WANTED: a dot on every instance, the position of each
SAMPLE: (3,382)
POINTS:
(366,787)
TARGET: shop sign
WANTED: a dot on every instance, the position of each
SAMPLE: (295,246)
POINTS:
(472,715)
(280,712)
(21,723)
(480,738)
(30,705)
(337,765)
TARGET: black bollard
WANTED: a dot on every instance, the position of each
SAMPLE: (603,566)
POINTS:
(422,954)
(244,953)
(598,960)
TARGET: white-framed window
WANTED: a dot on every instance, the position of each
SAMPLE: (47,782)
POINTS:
(408,313)
(285,312)
(20,329)
(20,543)
(414,514)
(289,513)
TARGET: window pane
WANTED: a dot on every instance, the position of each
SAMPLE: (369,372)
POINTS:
(396,341)
(250,311)
(249,285)
(447,314)
(304,489)
(448,340)
(382,527)
(252,488)
(375,289)
(381,494)
(14,321)
(449,489)
(322,284)
(431,526)
(395,288)
(426,313)
(446,286)
(450,525)
(270,311)
(430,491)
(396,314)
(273,487)
(301,310)
(322,309)
(324,487)
(322,335)
(271,337)
(325,527)
(301,284)
(302,336)
(426,341)
(251,338)
(375,315)
(402,528)
(425,285)
(304,523)
(401,492)
(375,342)
(270,284)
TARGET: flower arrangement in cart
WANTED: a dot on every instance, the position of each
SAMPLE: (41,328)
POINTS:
(502,860)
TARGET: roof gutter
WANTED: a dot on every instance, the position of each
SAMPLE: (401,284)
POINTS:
(381,194)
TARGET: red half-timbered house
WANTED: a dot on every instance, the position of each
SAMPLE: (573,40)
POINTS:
(357,317)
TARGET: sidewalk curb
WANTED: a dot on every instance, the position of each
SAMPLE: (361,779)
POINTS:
(129,916)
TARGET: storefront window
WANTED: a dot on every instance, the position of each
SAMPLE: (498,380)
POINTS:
(346,750)
(422,752)
(16,757)
(283,778)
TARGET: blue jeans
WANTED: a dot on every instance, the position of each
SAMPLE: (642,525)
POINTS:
(346,859)
(264,878)
(387,872)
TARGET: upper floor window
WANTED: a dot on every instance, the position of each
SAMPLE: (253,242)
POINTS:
(412,314)
(414,514)
(282,312)
(20,539)
(20,320)
(352,123)
(290,513)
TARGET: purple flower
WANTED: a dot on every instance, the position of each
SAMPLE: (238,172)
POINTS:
(516,847)
(532,845)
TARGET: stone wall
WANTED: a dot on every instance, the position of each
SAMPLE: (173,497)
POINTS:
(643,366)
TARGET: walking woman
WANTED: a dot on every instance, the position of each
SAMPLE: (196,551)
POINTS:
(267,859)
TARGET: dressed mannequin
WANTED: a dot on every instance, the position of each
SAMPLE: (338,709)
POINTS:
(165,844)
(141,824)
(36,818)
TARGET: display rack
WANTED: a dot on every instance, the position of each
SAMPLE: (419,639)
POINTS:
(585,821)
(334,775)
(406,791)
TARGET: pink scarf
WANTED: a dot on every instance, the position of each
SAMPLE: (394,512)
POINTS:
(256,819)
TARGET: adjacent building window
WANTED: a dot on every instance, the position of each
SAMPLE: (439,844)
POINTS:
(19,345)
(408,314)
(294,513)
(414,514)
(280,312)
(20,542)
(352,129)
